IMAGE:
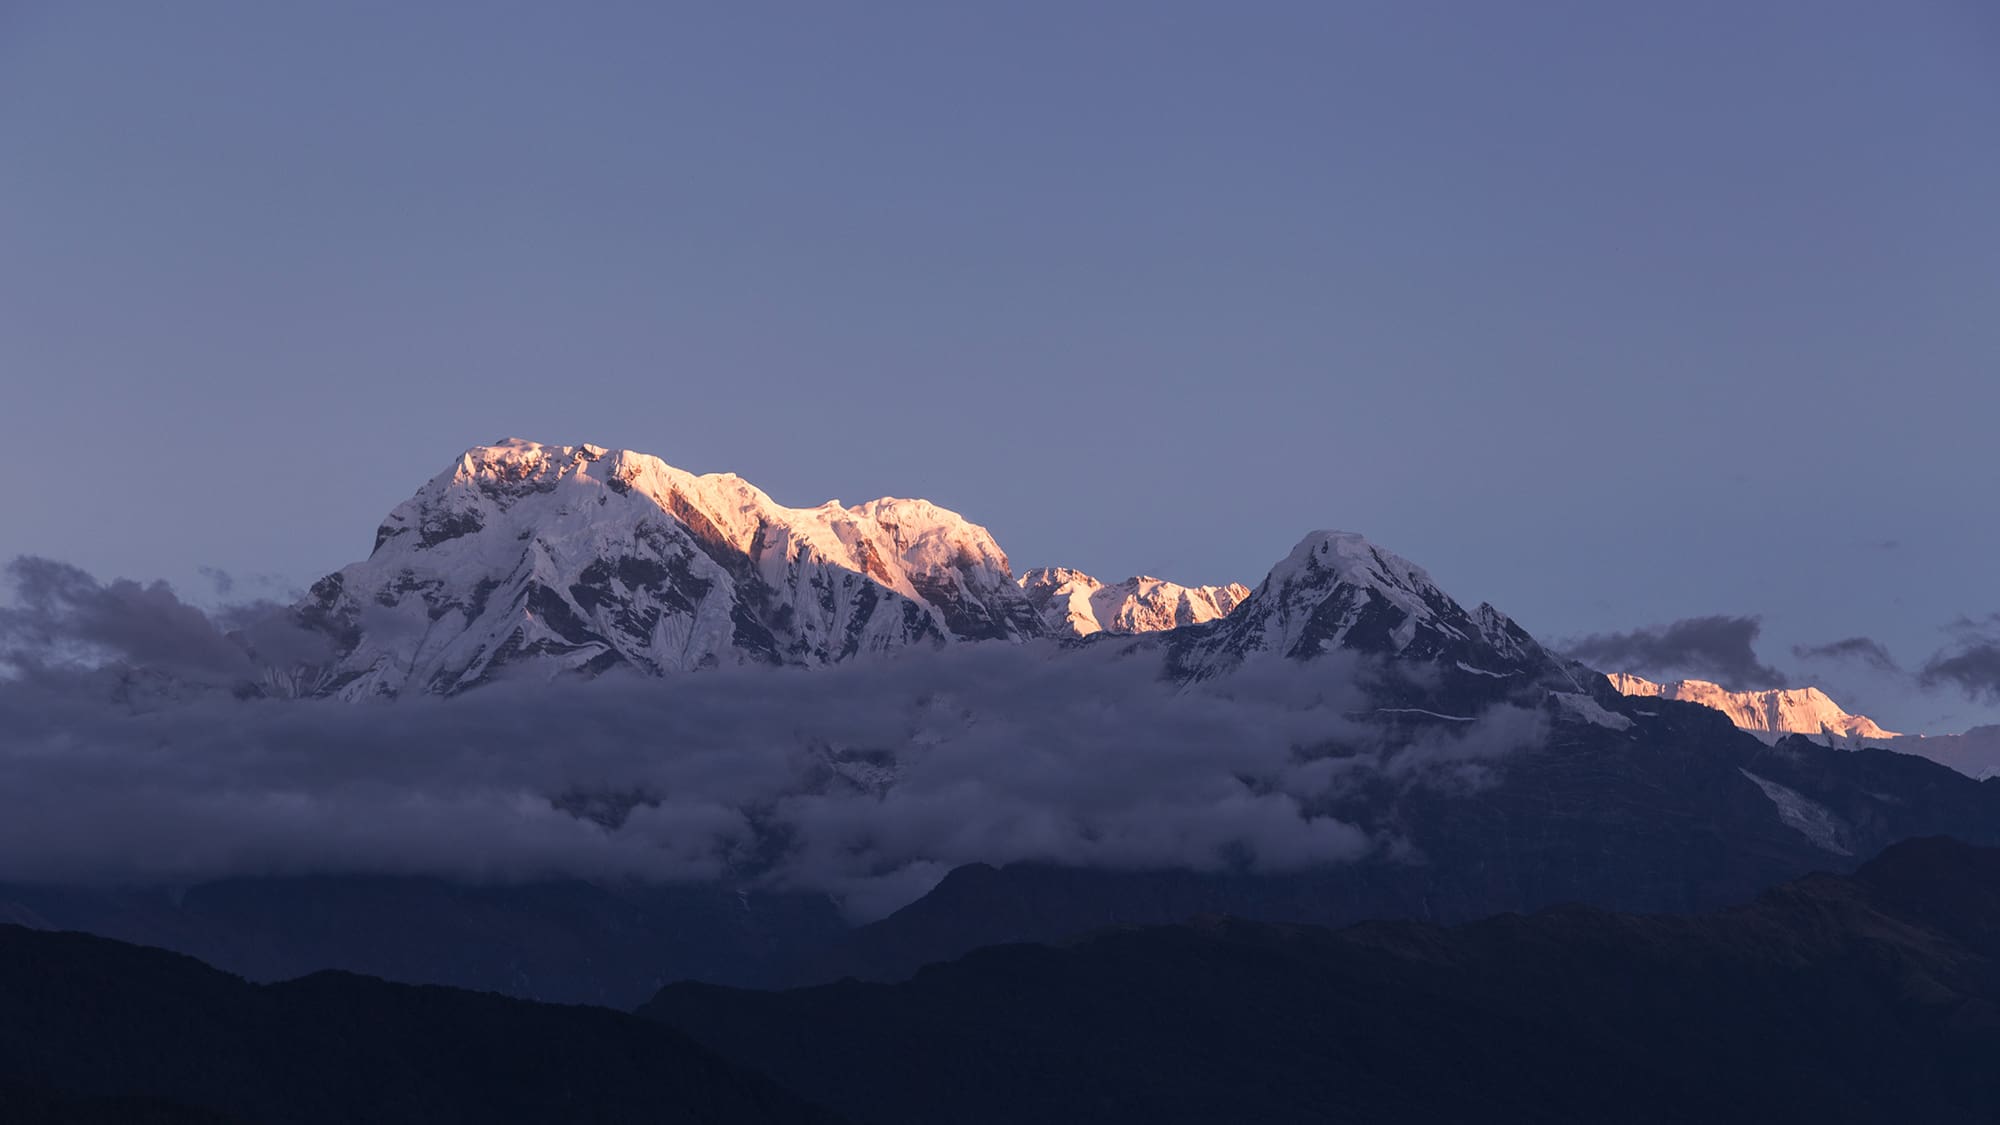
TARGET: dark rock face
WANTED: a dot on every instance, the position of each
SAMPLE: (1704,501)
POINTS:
(972,618)
(1863,999)
(153,1036)
(448,526)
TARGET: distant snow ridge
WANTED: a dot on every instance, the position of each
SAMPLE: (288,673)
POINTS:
(581,558)
(1073,603)
(1770,715)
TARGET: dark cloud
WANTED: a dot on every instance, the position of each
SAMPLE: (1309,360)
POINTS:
(1718,648)
(60,615)
(1972,664)
(1866,650)
(1973,669)
(866,781)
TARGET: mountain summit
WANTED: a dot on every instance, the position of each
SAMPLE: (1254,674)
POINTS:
(582,558)
(1338,591)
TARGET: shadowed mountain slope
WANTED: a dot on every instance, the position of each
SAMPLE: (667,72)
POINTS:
(99,1020)
(1868,998)
(1678,812)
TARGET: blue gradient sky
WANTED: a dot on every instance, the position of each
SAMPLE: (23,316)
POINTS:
(1609,314)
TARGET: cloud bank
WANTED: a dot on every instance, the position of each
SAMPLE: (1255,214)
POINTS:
(132,754)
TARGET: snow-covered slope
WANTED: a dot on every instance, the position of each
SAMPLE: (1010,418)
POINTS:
(1073,603)
(1770,714)
(1338,591)
(539,560)
(582,558)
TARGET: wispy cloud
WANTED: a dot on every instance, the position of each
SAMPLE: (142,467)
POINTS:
(1865,650)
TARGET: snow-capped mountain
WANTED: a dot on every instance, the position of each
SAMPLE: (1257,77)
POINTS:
(582,558)
(1514,778)
(1774,715)
(1072,603)
(1338,591)
(579,559)
(1770,715)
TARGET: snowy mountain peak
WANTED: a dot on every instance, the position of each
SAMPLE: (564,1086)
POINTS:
(1073,603)
(1347,558)
(1345,550)
(1338,591)
(583,558)
(1772,713)
(549,559)
(1044,577)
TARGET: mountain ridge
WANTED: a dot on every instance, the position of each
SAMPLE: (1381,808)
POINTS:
(1770,713)
(94,1017)
(584,559)
(1775,714)
(1073,603)
(1858,998)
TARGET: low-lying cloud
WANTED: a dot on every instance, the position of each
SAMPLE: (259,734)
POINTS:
(1719,648)
(866,781)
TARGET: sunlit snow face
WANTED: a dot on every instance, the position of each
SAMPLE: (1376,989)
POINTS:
(575,556)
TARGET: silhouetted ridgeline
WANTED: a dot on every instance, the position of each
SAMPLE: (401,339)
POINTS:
(1864,998)
(1868,998)
(97,1020)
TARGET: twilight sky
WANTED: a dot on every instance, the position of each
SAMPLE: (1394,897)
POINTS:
(1615,318)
